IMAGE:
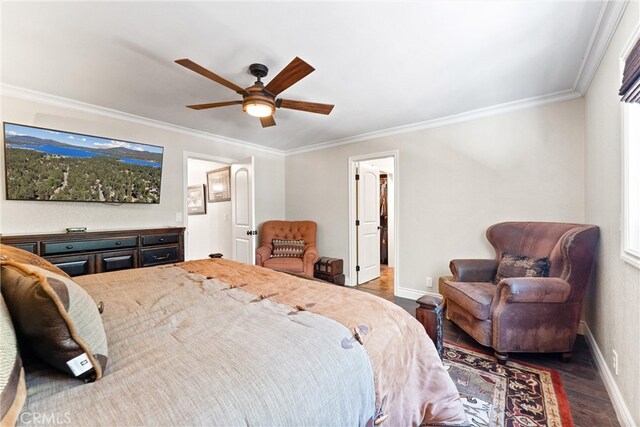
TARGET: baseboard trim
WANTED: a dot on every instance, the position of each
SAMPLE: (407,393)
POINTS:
(622,411)
(412,293)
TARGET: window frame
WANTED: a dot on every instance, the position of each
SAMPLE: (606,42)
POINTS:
(630,218)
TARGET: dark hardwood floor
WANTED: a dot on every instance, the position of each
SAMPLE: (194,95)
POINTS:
(589,401)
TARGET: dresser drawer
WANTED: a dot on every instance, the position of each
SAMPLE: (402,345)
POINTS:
(159,239)
(159,256)
(74,265)
(29,247)
(120,260)
(88,245)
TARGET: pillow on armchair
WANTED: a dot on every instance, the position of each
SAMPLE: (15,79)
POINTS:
(287,248)
(521,266)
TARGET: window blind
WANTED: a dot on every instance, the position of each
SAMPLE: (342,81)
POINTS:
(630,89)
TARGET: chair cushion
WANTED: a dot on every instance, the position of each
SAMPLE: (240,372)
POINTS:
(287,248)
(521,266)
(474,297)
(67,333)
(294,265)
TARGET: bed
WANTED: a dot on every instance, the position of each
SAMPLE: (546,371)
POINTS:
(216,342)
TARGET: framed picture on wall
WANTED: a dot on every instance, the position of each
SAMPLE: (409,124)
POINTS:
(219,185)
(195,200)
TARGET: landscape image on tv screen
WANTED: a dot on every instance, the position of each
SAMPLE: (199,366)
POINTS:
(47,164)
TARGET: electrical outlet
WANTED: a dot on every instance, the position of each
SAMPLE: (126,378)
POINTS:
(615,361)
(429,282)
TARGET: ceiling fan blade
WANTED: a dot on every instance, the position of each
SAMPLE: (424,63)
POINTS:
(187,63)
(267,121)
(295,71)
(213,105)
(311,107)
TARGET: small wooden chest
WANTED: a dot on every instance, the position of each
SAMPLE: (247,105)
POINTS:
(328,266)
(338,279)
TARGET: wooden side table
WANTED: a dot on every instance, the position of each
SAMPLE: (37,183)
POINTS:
(429,313)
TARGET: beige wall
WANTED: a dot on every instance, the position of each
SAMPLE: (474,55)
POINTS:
(24,216)
(612,309)
(455,181)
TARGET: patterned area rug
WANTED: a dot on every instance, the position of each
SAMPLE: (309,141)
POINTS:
(517,394)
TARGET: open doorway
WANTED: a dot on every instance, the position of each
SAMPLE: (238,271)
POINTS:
(207,230)
(373,214)
(226,223)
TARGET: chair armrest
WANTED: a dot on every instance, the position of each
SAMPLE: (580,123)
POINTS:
(310,254)
(309,259)
(263,253)
(473,270)
(533,290)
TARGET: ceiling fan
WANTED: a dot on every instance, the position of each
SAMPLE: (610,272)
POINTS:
(260,100)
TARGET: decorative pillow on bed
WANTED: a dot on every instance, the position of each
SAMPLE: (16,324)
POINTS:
(287,248)
(521,266)
(56,318)
(12,253)
(13,387)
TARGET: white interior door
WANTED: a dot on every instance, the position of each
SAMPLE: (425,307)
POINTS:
(368,220)
(243,232)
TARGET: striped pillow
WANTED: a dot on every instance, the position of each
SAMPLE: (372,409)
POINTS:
(67,333)
(13,387)
(287,248)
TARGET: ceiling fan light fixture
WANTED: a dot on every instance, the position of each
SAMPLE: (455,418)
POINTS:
(259,100)
(258,109)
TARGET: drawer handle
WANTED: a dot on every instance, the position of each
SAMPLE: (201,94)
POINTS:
(69,246)
(118,243)
(160,258)
(161,239)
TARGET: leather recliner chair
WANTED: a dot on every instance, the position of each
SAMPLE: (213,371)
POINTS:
(288,230)
(525,314)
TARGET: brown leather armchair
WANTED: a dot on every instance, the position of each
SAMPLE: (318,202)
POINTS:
(525,314)
(288,230)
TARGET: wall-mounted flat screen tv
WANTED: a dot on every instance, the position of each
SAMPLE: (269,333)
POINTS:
(48,164)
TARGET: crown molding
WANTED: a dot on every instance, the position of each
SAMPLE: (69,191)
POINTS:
(35,96)
(610,15)
(565,95)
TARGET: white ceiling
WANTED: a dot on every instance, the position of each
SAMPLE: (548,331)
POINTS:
(383,64)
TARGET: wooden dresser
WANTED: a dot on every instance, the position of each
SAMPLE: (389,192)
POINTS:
(100,251)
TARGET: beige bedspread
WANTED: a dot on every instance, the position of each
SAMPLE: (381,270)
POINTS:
(187,351)
(215,342)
